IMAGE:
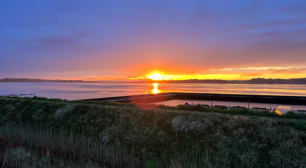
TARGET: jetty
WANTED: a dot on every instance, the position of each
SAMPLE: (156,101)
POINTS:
(160,97)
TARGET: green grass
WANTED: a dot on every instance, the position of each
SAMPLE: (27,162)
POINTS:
(197,108)
(122,135)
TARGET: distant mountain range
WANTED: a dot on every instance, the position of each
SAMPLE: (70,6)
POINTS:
(251,81)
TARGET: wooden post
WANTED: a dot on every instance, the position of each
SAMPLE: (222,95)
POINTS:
(270,106)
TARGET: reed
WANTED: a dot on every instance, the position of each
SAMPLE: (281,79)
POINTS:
(59,134)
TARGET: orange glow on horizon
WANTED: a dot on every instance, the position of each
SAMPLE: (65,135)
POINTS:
(174,73)
(245,73)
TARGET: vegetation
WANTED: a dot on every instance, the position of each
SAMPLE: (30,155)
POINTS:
(198,108)
(55,133)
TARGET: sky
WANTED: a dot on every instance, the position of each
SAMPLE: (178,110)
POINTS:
(179,39)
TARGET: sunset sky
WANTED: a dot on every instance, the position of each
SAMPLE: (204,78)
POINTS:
(132,39)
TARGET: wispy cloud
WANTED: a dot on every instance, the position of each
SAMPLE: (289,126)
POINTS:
(251,74)
(289,71)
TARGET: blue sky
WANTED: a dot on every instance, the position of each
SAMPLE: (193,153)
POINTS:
(120,38)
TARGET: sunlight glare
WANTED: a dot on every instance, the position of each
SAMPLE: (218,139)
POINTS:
(156,76)
(155,90)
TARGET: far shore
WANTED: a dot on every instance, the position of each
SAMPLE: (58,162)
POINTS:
(219,81)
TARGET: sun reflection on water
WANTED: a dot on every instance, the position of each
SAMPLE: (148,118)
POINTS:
(155,90)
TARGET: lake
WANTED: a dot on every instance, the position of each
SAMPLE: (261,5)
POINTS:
(75,91)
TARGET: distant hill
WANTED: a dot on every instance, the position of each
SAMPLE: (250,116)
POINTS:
(277,81)
(37,80)
(252,81)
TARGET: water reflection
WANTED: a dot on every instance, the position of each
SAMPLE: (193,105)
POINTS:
(75,91)
(155,90)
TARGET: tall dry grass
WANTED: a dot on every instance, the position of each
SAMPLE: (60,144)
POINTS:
(118,136)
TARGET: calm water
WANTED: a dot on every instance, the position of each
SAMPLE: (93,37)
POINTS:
(224,103)
(74,91)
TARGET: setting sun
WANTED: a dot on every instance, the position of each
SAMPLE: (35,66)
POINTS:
(156,76)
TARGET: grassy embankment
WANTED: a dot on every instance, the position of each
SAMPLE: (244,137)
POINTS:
(55,133)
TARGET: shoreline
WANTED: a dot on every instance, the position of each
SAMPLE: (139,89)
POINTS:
(153,98)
